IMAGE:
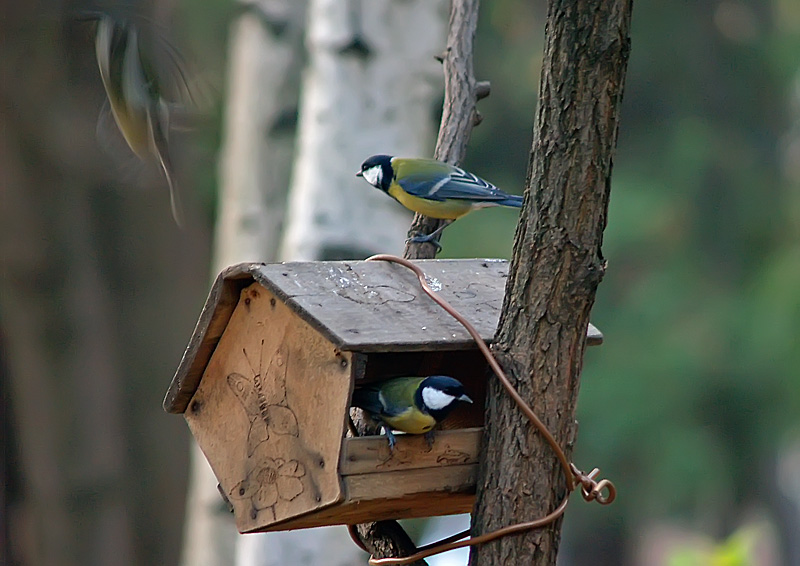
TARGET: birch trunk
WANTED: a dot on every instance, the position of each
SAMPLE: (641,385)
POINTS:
(370,87)
(260,123)
(265,62)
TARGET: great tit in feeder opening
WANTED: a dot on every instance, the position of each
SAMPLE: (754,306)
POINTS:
(410,404)
(134,93)
(433,188)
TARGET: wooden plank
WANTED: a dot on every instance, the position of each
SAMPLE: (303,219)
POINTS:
(389,485)
(403,494)
(406,507)
(214,317)
(398,494)
(371,453)
(351,302)
(269,413)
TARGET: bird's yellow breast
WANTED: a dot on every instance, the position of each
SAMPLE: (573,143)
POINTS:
(134,129)
(412,421)
(133,122)
(450,209)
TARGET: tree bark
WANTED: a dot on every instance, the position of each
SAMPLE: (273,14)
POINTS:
(555,270)
(459,114)
(387,539)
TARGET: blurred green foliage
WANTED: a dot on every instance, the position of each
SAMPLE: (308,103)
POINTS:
(737,550)
(686,403)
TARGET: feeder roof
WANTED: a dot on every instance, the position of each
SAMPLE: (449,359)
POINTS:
(359,306)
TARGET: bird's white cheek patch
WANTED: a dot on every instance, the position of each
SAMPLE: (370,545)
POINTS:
(374,176)
(435,399)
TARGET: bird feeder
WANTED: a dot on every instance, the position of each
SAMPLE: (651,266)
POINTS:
(266,381)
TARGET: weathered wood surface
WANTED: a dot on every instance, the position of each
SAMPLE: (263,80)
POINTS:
(379,306)
(404,483)
(368,454)
(358,306)
(408,506)
(415,481)
(213,320)
(269,413)
(406,494)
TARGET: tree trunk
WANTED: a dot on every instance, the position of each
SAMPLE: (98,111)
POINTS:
(260,123)
(260,126)
(369,88)
(43,528)
(556,267)
(351,108)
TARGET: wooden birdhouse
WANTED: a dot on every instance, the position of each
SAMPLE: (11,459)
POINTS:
(266,381)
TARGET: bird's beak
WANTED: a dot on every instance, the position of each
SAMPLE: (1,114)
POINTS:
(465,398)
(359,174)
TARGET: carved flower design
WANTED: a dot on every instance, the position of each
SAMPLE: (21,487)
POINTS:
(273,479)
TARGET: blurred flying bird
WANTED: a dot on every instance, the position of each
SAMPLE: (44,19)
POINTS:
(135,93)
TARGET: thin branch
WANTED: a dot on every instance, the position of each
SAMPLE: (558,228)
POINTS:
(461,92)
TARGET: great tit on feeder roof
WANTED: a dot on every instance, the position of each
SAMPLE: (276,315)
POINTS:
(410,404)
(433,188)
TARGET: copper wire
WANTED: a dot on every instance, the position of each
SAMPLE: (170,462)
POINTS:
(602,491)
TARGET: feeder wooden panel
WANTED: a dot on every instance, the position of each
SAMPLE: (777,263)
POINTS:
(266,382)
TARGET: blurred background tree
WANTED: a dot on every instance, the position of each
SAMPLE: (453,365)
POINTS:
(691,406)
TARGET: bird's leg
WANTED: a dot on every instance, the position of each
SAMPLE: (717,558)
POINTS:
(434,243)
(430,437)
(431,238)
(389,434)
(390,437)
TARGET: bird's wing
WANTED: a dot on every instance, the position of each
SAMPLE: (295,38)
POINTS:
(403,389)
(372,398)
(368,398)
(439,181)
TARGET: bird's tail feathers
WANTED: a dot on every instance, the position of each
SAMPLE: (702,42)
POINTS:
(514,201)
(368,399)
(159,141)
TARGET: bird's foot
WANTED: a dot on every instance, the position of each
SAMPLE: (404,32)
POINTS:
(432,238)
(391,438)
(426,239)
(430,436)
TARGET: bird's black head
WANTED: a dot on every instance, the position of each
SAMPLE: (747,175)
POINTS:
(377,171)
(437,395)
